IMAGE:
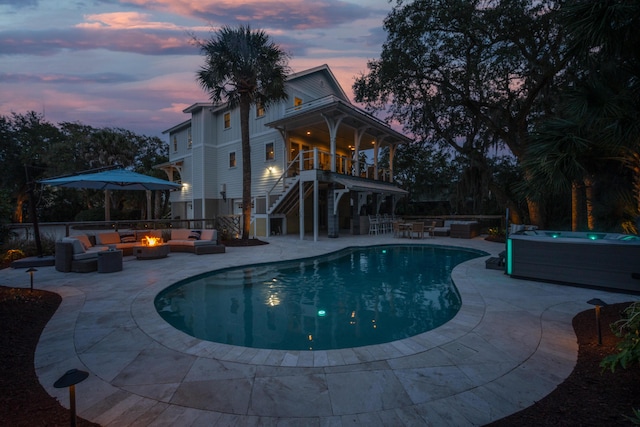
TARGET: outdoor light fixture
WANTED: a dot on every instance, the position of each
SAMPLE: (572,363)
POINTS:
(31,271)
(598,303)
(223,192)
(70,379)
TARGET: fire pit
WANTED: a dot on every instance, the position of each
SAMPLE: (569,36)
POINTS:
(151,248)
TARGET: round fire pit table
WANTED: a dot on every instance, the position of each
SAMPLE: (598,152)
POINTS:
(109,261)
(151,252)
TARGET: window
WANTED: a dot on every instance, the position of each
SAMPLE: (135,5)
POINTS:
(227,120)
(259,110)
(232,159)
(189,141)
(175,143)
(297,101)
(270,153)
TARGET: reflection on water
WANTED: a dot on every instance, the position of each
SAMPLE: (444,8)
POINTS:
(351,298)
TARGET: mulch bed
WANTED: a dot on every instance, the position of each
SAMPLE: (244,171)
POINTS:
(23,401)
(588,397)
(240,242)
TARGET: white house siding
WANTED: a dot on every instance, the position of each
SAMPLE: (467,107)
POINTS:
(231,177)
(208,159)
(198,174)
(211,171)
(311,87)
(265,173)
(181,138)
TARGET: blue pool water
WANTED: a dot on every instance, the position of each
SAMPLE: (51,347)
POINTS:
(351,298)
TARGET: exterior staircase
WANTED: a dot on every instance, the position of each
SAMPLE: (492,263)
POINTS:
(288,200)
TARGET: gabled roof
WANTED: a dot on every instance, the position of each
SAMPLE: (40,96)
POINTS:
(324,68)
(198,106)
(330,106)
(178,127)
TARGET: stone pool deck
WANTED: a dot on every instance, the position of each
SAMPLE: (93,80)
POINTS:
(510,345)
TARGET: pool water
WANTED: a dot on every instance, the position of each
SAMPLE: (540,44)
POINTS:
(351,298)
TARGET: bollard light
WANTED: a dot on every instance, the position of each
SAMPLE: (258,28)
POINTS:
(31,271)
(70,379)
(598,303)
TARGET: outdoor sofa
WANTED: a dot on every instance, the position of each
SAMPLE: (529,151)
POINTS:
(195,241)
(125,240)
(80,253)
(457,228)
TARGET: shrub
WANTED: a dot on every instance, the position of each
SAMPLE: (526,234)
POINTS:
(18,248)
(628,329)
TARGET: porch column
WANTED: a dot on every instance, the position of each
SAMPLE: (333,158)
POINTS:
(333,124)
(357,139)
(301,204)
(355,213)
(375,159)
(333,226)
(316,208)
(392,154)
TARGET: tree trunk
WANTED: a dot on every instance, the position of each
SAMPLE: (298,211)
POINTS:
(535,214)
(246,166)
(156,204)
(515,216)
(107,205)
(18,214)
(589,199)
(575,206)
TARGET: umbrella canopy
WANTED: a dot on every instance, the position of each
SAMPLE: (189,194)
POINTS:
(117,179)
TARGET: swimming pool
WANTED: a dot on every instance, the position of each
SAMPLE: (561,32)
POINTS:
(351,298)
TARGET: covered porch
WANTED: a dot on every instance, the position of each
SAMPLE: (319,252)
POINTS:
(327,141)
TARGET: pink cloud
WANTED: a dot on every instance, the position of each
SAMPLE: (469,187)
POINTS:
(287,14)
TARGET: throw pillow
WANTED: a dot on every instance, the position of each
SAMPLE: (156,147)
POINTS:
(84,239)
(194,235)
(128,237)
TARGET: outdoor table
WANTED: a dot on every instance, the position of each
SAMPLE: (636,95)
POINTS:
(151,252)
(109,261)
(405,227)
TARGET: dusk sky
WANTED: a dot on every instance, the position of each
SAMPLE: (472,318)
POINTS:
(131,64)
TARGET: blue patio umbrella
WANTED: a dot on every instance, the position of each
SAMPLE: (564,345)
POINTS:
(116,179)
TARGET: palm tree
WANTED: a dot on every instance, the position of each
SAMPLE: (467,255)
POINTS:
(598,119)
(243,68)
(560,159)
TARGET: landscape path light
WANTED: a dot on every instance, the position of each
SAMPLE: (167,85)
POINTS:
(70,379)
(31,271)
(598,303)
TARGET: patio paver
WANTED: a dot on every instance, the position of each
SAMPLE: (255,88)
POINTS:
(510,345)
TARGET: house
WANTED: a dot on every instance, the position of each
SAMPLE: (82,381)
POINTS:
(306,163)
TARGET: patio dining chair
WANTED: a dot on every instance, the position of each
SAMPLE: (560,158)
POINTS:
(418,228)
(374,225)
(430,229)
(395,225)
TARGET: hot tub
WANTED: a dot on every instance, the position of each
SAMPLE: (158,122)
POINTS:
(600,260)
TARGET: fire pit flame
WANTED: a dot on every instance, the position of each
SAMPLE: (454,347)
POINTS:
(151,241)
